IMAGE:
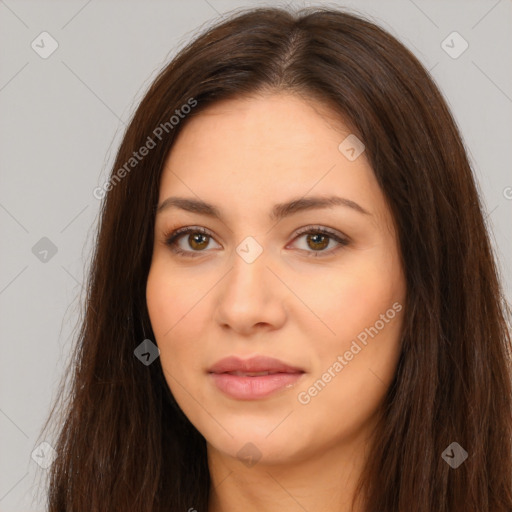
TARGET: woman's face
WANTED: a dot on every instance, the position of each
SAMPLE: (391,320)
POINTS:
(257,280)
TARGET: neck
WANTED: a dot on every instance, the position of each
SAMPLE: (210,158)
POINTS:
(325,481)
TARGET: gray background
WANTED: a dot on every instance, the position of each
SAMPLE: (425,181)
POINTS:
(63,118)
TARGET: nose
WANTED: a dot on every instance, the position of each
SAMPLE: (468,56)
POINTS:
(251,298)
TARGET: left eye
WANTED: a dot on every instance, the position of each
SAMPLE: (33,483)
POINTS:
(317,240)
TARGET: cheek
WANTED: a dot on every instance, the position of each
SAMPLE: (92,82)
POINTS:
(352,299)
(354,368)
(170,300)
(175,315)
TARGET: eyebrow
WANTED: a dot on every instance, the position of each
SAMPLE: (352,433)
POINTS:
(278,212)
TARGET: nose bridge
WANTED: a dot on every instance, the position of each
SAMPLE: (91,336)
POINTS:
(250,293)
(249,272)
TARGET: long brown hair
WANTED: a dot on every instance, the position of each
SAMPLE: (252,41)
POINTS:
(124,444)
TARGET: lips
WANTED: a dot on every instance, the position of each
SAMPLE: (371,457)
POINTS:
(254,378)
(254,365)
(252,374)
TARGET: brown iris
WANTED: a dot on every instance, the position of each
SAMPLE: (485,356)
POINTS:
(320,241)
(198,240)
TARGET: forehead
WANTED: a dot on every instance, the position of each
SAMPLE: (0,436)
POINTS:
(249,151)
(282,122)
(253,132)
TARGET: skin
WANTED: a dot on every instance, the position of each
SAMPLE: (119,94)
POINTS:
(244,156)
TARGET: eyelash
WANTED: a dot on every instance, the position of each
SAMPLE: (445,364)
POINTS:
(172,237)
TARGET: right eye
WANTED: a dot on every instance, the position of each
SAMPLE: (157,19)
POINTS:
(197,240)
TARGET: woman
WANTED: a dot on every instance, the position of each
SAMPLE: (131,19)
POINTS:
(371,377)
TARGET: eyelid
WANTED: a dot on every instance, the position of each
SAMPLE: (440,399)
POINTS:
(170,239)
(173,234)
(342,240)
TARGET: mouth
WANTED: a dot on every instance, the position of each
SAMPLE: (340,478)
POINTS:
(253,366)
(253,374)
(254,378)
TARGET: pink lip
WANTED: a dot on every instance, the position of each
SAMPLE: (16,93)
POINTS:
(246,387)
